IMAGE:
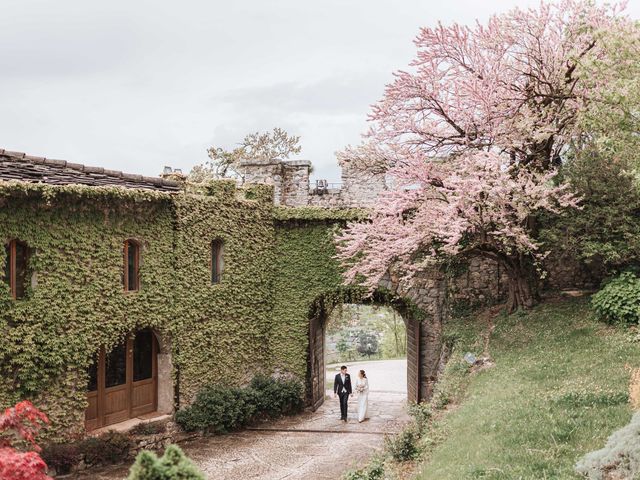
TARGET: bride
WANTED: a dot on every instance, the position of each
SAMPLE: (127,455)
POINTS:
(362,387)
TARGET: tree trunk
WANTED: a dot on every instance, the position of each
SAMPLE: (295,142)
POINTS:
(522,284)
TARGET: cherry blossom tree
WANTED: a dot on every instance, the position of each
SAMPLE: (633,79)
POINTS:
(464,206)
(473,135)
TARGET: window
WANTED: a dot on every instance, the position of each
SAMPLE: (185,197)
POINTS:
(131,266)
(217,261)
(15,268)
(143,355)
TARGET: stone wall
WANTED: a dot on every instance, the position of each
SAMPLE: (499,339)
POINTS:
(290,180)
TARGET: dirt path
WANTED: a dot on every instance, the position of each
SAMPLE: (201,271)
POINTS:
(310,446)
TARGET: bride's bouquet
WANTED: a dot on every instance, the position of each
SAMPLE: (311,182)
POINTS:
(360,388)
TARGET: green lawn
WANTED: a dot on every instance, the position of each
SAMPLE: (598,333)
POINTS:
(557,391)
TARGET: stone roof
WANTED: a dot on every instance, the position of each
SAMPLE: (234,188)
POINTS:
(27,168)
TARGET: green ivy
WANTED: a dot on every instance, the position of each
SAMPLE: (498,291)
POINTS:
(279,266)
(76,233)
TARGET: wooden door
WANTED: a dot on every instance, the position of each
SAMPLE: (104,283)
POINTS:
(316,363)
(123,382)
(413,360)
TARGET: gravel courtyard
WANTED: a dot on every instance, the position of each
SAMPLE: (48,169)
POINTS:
(311,445)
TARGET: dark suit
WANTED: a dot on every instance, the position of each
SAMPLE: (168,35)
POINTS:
(343,390)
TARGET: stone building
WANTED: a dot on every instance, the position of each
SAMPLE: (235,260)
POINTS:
(123,295)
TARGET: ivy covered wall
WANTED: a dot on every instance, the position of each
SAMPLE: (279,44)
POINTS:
(221,331)
(276,262)
(77,302)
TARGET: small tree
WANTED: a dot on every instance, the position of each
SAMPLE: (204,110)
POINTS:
(367,344)
(21,424)
(394,341)
(262,147)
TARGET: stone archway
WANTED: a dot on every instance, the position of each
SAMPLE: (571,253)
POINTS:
(319,313)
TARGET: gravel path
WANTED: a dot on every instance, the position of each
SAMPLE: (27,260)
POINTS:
(311,445)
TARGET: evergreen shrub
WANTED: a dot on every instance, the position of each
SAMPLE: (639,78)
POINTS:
(61,456)
(109,448)
(274,398)
(620,457)
(219,409)
(173,465)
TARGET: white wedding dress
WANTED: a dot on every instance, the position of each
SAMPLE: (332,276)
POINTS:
(363,397)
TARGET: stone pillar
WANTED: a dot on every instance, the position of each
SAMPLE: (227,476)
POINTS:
(165,375)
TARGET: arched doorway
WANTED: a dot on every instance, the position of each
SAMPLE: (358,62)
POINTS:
(123,383)
(316,356)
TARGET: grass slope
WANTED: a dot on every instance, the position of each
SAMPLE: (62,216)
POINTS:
(557,391)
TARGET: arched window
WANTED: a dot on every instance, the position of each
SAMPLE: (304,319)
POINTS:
(16,267)
(217,261)
(131,266)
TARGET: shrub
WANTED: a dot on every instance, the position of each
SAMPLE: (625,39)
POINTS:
(149,428)
(61,456)
(403,446)
(619,300)
(218,409)
(374,471)
(20,425)
(275,397)
(173,465)
(620,458)
(421,413)
(109,448)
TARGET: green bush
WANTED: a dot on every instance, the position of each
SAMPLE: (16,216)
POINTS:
(619,300)
(276,397)
(61,456)
(374,471)
(218,409)
(403,446)
(109,448)
(149,428)
(173,465)
(421,413)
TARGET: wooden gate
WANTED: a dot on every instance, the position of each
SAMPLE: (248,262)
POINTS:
(316,363)
(123,383)
(413,360)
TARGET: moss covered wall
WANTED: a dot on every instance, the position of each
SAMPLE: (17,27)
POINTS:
(277,262)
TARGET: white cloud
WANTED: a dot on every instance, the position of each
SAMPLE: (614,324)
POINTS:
(138,85)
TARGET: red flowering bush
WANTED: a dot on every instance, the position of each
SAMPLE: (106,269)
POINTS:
(21,424)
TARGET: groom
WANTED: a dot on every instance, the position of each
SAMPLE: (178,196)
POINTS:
(342,388)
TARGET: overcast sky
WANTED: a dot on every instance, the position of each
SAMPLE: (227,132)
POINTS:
(138,84)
